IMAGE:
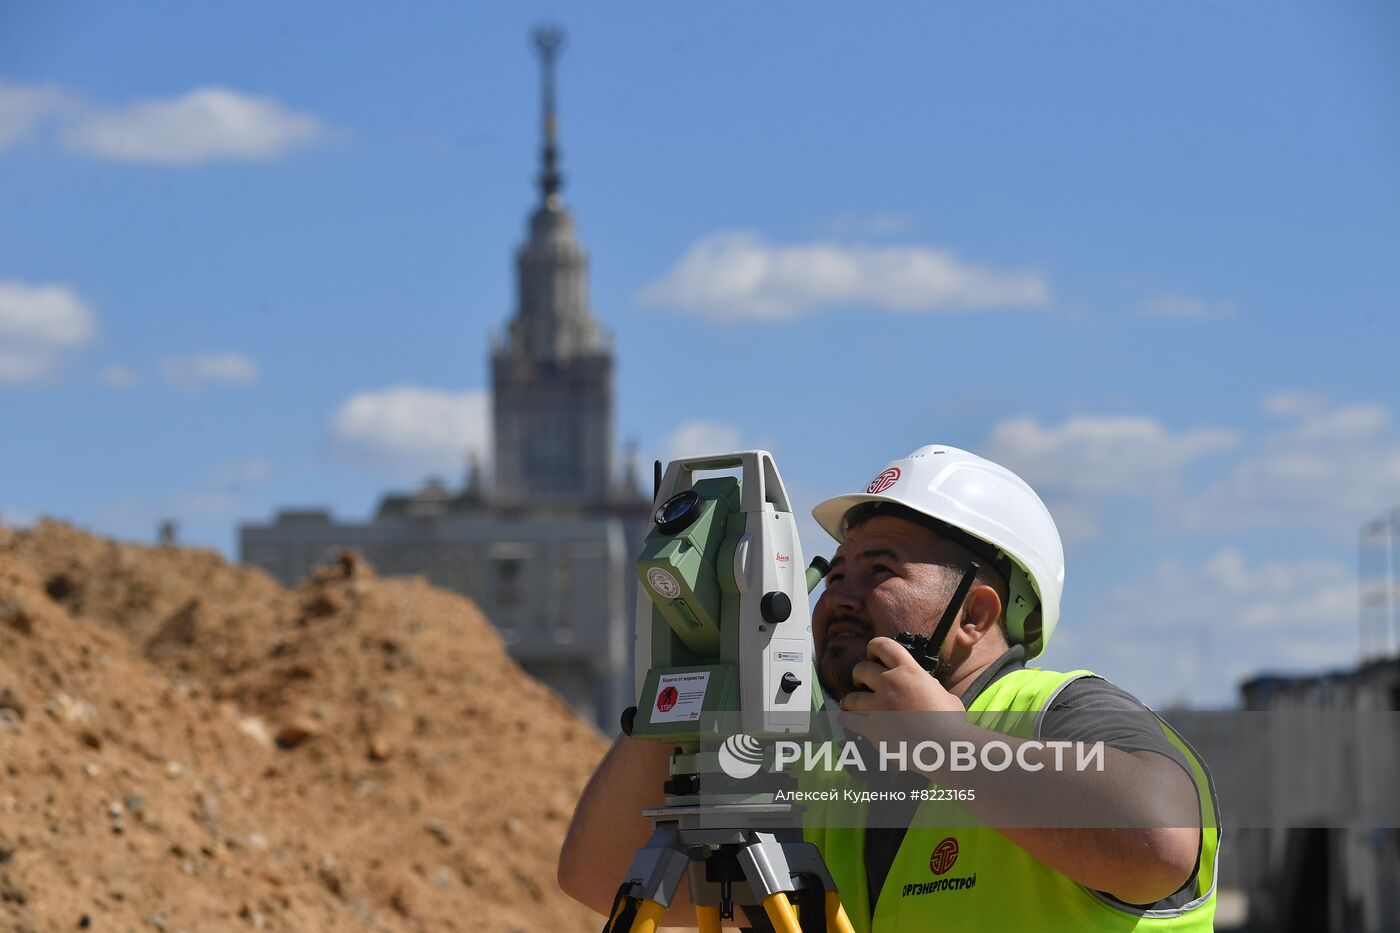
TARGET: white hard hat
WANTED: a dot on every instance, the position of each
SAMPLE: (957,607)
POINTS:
(988,503)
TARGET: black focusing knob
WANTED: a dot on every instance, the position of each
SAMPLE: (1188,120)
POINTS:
(629,720)
(776,607)
(790,682)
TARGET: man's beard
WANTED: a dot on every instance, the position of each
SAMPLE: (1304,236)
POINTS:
(834,675)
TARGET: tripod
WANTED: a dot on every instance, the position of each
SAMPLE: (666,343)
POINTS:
(775,871)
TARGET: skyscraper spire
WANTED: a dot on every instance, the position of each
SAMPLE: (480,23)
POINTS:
(549,43)
(552,378)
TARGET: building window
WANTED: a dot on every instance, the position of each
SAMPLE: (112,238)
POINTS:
(512,582)
(456,563)
(564,597)
(584,597)
(509,590)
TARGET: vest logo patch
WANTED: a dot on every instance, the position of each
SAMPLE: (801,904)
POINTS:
(940,862)
(943,857)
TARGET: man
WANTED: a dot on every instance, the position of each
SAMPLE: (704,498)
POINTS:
(943,534)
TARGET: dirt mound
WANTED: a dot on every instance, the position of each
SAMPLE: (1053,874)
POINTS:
(188,746)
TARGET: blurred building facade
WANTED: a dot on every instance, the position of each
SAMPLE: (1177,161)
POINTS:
(1308,771)
(547,550)
(1306,872)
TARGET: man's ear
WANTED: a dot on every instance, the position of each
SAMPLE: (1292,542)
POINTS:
(981,610)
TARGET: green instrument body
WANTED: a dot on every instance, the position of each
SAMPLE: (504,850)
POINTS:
(711,651)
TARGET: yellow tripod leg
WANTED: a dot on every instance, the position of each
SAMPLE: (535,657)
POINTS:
(781,913)
(649,914)
(707,919)
(836,919)
(620,908)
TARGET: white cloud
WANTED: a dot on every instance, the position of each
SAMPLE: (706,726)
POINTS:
(696,438)
(1193,629)
(39,324)
(426,430)
(1196,629)
(23,108)
(1077,519)
(1324,467)
(201,125)
(118,376)
(47,314)
(1225,590)
(737,275)
(1344,424)
(1182,307)
(1287,403)
(1077,467)
(1101,455)
(194,372)
(233,475)
(1328,468)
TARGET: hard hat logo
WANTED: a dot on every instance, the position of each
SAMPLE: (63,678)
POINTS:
(883,481)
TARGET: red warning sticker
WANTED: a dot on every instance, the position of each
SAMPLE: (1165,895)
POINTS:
(680,697)
(885,480)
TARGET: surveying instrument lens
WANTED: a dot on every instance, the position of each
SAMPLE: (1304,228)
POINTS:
(678,512)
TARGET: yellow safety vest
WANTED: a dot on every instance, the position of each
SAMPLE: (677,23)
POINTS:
(972,878)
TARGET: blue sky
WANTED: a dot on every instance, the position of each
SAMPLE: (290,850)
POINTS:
(250,257)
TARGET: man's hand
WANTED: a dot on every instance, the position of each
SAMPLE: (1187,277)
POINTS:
(896,683)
